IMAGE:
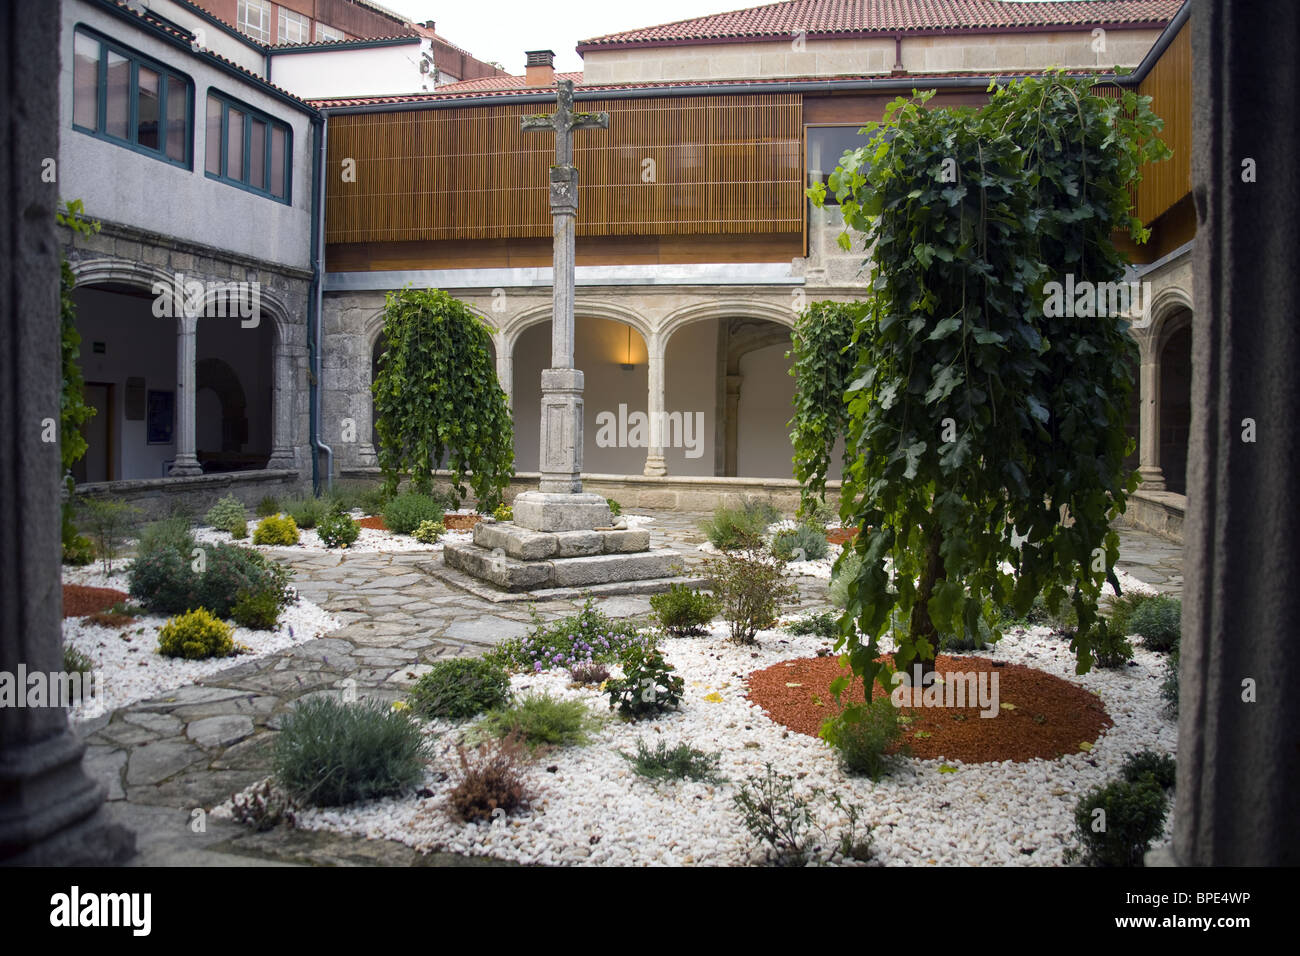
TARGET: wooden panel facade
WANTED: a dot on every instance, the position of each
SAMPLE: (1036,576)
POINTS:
(1169,84)
(701,165)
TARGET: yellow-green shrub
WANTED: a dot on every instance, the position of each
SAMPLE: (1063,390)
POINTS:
(195,635)
(276,530)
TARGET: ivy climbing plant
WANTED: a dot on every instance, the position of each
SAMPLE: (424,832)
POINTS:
(989,436)
(437,399)
(73,410)
(822,366)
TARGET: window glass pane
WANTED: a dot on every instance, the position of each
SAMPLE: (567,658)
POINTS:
(826,144)
(278,143)
(235,145)
(177,104)
(294,27)
(327,33)
(147,109)
(118,96)
(254,19)
(213,140)
(257,155)
(85,81)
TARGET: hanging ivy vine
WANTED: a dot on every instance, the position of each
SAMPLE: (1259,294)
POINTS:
(437,399)
(990,437)
(73,410)
(822,366)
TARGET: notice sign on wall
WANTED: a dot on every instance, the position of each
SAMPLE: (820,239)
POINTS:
(161,417)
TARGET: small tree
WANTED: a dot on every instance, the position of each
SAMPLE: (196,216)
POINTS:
(437,397)
(976,413)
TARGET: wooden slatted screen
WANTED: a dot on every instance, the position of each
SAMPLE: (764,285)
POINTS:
(1169,84)
(666,166)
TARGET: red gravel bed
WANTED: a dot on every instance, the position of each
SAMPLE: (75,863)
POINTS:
(374,522)
(1048,718)
(841,535)
(79,600)
(460,522)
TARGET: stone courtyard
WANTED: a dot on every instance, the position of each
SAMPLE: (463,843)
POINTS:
(164,759)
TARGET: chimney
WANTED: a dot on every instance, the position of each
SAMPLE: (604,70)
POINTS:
(540,70)
(430,25)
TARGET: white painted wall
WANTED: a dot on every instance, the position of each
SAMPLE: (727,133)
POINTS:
(120,185)
(362,71)
(212,37)
(763,447)
(136,344)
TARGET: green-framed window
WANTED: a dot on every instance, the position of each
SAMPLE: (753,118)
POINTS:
(126,98)
(247,148)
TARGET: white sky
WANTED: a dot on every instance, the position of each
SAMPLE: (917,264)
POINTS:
(502,30)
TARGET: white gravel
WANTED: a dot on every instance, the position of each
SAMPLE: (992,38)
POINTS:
(369,541)
(130,666)
(594,810)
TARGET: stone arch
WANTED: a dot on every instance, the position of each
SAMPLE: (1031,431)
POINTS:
(725,309)
(136,275)
(217,375)
(512,330)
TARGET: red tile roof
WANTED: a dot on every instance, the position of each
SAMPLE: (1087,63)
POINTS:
(495,87)
(851,17)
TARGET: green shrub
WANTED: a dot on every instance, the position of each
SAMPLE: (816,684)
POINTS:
(1116,823)
(825,625)
(371,499)
(847,569)
(649,685)
(541,720)
(968,639)
(804,540)
(172,533)
(782,822)
(460,687)
(78,550)
(588,635)
(817,512)
(682,610)
(278,530)
(75,661)
(306,511)
(1159,767)
(231,571)
(504,512)
(267,507)
(108,523)
(740,527)
(615,509)
(228,514)
(1169,687)
(1159,622)
(408,511)
(195,635)
(338,531)
(682,762)
(861,735)
(330,753)
(1035,616)
(429,532)
(751,589)
(164,581)
(1111,648)
(258,610)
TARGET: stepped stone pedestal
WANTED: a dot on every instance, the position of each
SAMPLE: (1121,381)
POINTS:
(516,558)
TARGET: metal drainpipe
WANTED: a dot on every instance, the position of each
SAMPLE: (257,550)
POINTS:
(315,339)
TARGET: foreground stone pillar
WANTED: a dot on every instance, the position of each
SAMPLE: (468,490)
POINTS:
(50,811)
(655,402)
(187,331)
(1153,479)
(1239,761)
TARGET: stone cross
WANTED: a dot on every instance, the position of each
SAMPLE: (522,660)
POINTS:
(559,504)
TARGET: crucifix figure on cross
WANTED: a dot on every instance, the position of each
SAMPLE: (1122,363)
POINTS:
(559,504)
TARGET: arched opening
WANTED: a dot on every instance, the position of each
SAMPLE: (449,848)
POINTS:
(128,361)
(234,375)
(763,448)
(691,389)
(1176,404)
(613,359)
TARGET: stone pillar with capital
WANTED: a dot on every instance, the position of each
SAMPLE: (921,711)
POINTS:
(187,462)
(282,408)
(1153,479)
(655,466)
(733,424)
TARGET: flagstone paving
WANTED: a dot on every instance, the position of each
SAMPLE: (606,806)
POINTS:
(165,759)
